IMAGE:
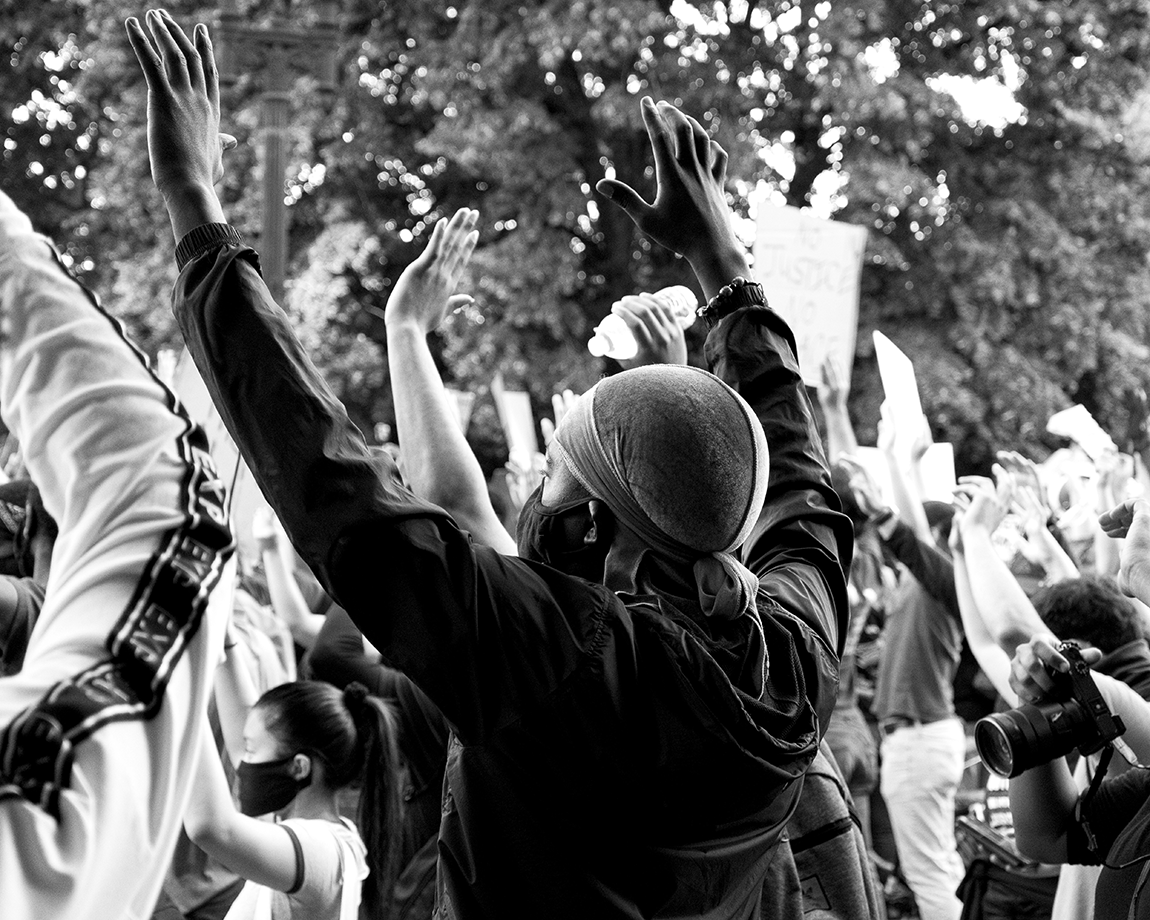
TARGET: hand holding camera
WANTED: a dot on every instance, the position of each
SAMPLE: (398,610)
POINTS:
(1061,710)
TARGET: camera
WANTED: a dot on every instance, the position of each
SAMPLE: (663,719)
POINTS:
(1076,716)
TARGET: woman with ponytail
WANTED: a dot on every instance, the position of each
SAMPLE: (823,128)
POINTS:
(303,742)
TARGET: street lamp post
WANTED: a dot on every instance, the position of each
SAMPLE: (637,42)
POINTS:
(276,55)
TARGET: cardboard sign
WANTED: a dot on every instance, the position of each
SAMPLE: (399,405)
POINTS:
(810,270)
(514,409)
(901,390)
(937,472)
(936,469)
(1080,426)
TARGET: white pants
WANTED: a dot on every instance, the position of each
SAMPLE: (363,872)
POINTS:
(99,732)
(921,769)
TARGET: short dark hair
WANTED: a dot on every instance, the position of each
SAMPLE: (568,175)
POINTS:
(1090,608)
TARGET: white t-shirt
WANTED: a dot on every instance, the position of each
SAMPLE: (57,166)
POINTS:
(332,856)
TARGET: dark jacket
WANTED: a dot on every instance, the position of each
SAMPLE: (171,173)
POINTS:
(602,763)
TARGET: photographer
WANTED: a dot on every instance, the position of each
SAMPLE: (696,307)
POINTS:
(1112,826)
(1048,823)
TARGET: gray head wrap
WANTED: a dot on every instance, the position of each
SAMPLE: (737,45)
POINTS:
(681,460)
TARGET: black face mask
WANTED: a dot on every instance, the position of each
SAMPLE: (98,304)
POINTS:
(541,536)
(268,786)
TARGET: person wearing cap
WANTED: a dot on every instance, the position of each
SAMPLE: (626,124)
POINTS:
(632,709)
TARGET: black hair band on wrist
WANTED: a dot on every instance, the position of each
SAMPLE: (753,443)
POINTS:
(742,292)
(882,517)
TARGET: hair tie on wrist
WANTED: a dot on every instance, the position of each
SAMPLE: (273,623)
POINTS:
(882,517)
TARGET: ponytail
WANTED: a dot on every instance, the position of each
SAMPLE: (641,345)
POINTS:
(380,814)
(356,737)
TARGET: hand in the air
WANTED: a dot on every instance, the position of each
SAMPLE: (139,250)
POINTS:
(690,214)
(424,293)
(184,141)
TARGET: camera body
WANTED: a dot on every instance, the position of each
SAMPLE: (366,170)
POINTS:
(1076,716)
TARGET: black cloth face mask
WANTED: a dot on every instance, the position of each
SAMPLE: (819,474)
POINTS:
(541,536)
(268,786)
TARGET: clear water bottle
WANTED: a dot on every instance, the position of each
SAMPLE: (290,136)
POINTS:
(612,337)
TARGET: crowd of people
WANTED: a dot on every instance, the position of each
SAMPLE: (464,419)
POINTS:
(707,666)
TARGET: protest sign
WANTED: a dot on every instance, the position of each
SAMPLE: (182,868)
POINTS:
(901,390)
(936,472)
(810,268)
(514,409)
(1080,426)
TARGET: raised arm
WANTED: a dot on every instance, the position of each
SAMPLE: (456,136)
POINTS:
(801,546)
(933,570)
(1130,522)
(995,663)
(287,599)
(1029,496)
(1005,608)
(439,462)
(98,727)
(832,392)
(904,453)
(257,850)
(459,619)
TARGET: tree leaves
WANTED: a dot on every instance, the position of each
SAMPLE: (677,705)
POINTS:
(1006,257)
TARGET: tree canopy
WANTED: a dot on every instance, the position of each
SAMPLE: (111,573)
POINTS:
(1005,252)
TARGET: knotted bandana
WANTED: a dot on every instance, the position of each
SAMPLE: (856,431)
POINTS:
(681,460)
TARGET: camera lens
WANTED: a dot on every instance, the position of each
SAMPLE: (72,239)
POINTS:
(994,746)
(1012,742)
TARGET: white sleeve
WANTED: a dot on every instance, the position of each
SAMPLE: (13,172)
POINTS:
(98,732)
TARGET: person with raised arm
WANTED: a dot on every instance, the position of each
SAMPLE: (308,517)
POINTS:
(627,744)
(100,726)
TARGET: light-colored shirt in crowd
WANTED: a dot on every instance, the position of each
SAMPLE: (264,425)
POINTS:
(334,865)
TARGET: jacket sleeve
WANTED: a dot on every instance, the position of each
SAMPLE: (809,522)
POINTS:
(483,635)
(930,567)
(801,546)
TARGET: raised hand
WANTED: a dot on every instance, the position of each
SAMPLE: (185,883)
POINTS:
(867,494)
(832,388)
(690,214)
(1131,520)
(267,530)
(184,141)
(424,292)
(988,503)
(1024,473)
(1116,522)
(656,330)
(560,404)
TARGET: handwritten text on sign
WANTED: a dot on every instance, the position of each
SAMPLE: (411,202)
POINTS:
(810,269)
